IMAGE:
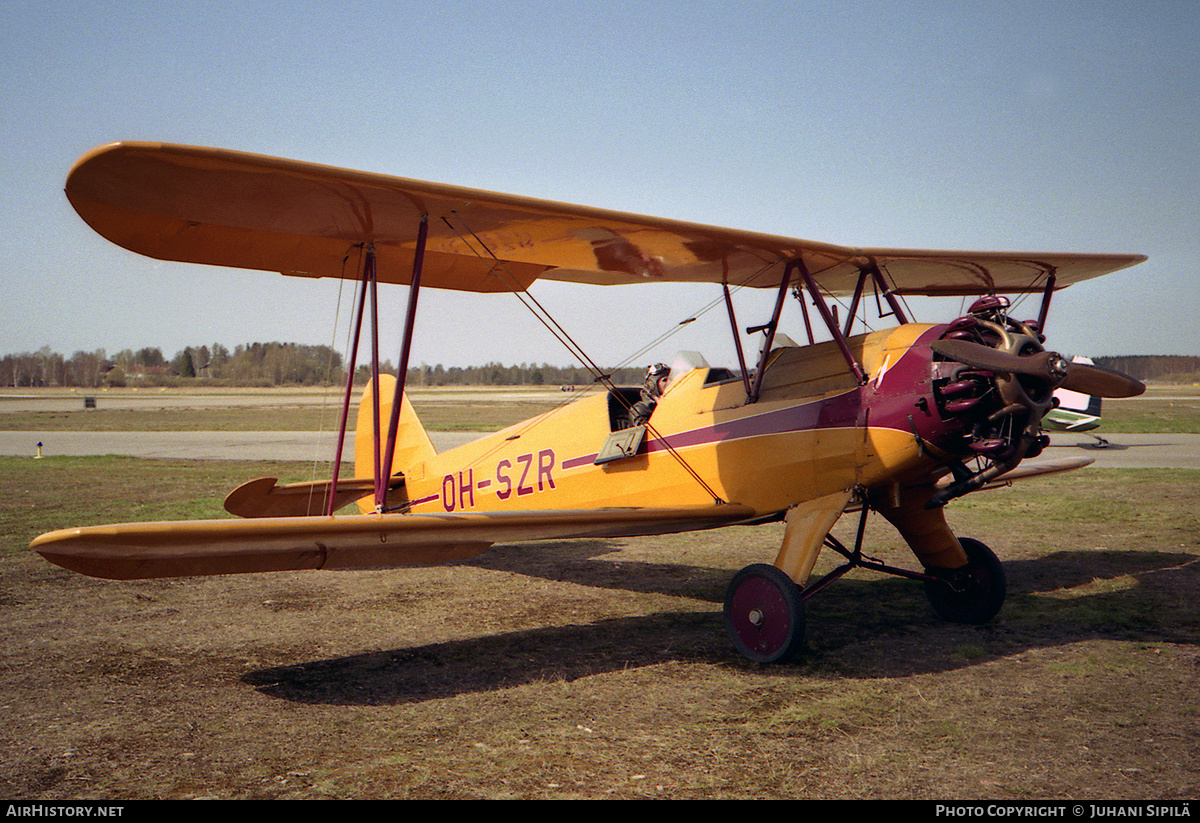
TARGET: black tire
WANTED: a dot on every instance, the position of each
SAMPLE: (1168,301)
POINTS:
(972,594)
(764,614)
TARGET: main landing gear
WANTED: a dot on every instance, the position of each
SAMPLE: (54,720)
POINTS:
(972,594)
(764,609)
(764,613)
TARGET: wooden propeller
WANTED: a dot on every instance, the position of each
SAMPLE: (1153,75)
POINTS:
(1045,365)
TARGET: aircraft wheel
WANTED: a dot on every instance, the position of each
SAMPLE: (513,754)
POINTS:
(764,614)
(972,594)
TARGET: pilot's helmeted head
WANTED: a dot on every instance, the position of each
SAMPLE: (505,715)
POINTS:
(656,379)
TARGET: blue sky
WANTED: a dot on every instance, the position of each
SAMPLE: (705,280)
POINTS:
(1057,126)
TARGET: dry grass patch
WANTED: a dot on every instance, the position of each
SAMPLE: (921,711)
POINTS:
(599,668)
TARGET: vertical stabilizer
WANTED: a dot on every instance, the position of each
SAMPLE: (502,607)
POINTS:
(412,443)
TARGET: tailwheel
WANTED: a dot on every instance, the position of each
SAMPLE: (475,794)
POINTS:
(764,614)
(972,594)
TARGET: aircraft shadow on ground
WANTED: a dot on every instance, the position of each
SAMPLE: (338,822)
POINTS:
(858,628)
(1122,443)
(1093,446)
(578,561)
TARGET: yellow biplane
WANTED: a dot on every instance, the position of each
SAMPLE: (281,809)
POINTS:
(898,421)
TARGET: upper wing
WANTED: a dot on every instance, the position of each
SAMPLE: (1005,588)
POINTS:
(134,551)
(228,208)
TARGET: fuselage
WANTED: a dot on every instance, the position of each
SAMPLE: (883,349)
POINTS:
(813,430)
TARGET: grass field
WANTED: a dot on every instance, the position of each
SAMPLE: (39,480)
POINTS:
(599,668)
(1162,409)
(278,410)
(596,668)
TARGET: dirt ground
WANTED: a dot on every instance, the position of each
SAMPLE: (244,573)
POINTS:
(600,669)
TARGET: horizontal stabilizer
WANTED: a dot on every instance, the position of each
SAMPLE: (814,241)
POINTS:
(264,497)
(132,551)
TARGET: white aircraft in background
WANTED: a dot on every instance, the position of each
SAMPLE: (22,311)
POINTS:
(1075,412)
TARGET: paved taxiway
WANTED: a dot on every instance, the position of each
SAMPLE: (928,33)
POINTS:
(199,445)
(12,400)
(1133,451)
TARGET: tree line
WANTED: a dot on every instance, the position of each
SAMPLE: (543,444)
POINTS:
(262,364)
(253,364)
(281,364)
(497,374)
(1161,368)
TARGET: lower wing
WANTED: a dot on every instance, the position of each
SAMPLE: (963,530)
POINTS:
(133,551)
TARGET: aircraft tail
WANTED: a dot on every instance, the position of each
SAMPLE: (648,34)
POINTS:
(1079,402)
(412,443)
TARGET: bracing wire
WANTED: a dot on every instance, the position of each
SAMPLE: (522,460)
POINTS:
(555,328)
(333,335)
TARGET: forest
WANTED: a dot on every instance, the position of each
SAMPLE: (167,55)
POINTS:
(261,365)
(293,364)
(1155,368)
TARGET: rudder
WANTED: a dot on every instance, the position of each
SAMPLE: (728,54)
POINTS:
(412,443)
